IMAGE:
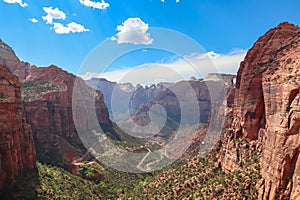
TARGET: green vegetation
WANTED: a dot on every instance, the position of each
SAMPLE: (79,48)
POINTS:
(32,88)
(56,183)
(91,171)
(194,178)
(201,178)
(47,182)
(87,171)
(118,183)
(38,86)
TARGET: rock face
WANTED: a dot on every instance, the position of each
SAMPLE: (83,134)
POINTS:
(266,107)
(48,105)
(114,93)
(9,59)
(47,92)
(17,153)
(206,91)
(140,97)
(296,193)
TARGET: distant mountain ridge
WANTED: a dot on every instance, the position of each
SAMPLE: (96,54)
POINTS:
(158,93)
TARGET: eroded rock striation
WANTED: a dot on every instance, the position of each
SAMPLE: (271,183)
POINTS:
(265,106)
(17,152)
(47,94)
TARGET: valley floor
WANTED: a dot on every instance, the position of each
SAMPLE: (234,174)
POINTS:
(193,178)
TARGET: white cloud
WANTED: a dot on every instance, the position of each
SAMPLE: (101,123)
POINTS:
(177,1)
(97,5)
(71,27)
(59,28)
(133,30)
(34,20)
(20,2)
(53,14)
(176,70)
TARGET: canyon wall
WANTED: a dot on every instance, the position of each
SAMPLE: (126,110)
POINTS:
(265,108)
(47,94)
(17,153)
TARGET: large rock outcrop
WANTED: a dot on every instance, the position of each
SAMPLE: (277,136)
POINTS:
(48,104)
(17,153)
(266,108)
(47,94)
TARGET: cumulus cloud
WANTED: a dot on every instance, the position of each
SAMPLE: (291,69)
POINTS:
(34,20)
(60,28)
(179,69)
(20,2)
(97,5)
(133,30)
(53,14)
(72,27)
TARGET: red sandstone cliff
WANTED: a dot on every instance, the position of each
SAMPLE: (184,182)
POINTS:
(48,104)
(17,152)
(47,94)
(265,106)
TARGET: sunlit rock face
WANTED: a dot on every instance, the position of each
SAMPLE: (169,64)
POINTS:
(266,107)
(47,94)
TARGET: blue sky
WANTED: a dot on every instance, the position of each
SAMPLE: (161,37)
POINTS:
(75,27)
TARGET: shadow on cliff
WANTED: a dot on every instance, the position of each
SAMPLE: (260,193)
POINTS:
(22,188)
